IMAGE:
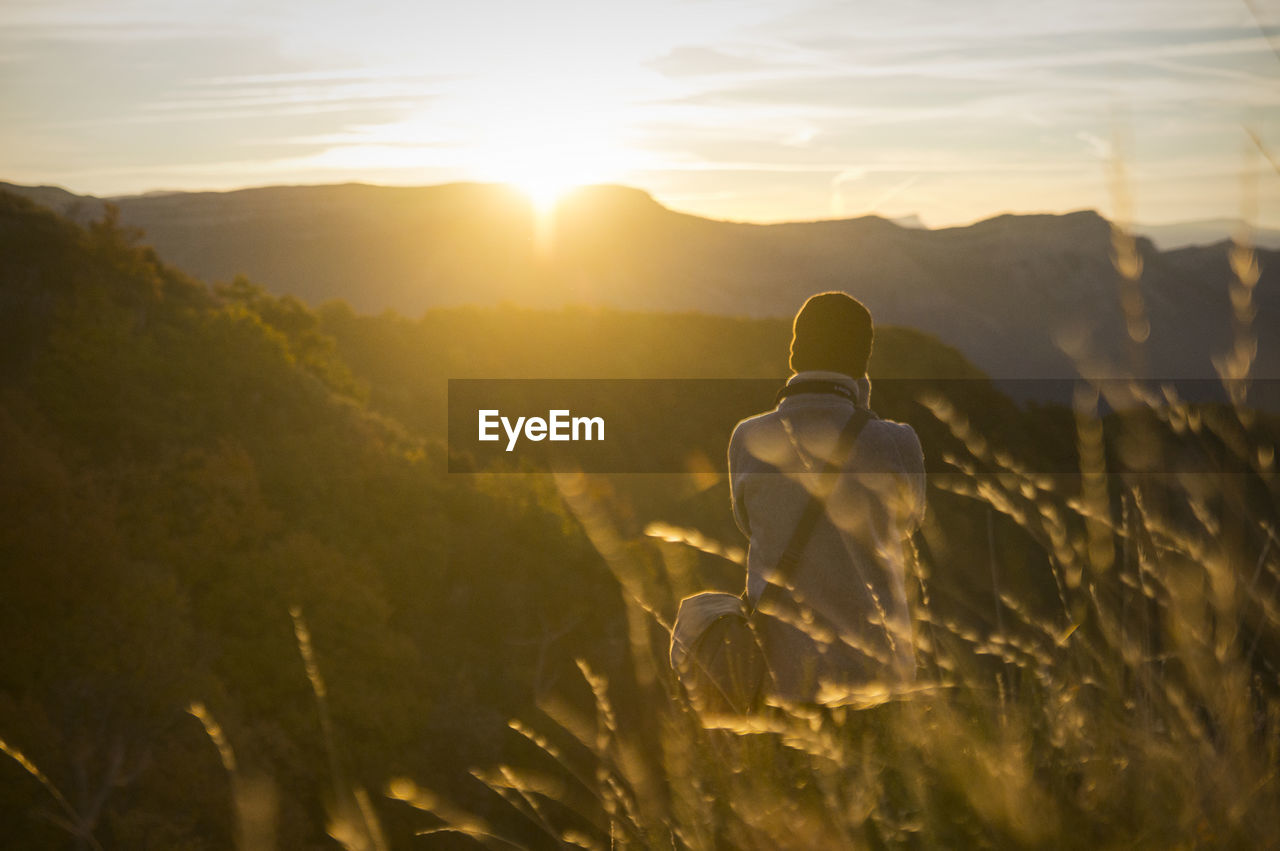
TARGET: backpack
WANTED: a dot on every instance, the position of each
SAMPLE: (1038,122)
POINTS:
(716,655)
(715,652)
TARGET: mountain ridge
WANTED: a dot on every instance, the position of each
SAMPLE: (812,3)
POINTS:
(1165,235)
(1011,291)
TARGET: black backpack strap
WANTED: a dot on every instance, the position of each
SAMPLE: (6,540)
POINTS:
(816,506)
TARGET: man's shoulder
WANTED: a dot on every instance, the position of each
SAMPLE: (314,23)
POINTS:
(766,419)
(892,429)
(892,446)
(757,440)
(765,425)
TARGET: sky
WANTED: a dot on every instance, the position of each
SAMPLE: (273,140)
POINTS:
(951,110)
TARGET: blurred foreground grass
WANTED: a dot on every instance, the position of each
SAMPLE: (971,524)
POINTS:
(1141,714)
(1142,711)
(1138,708)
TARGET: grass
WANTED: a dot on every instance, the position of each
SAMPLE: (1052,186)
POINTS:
(1139,710)
(1137,717)
(1138,713)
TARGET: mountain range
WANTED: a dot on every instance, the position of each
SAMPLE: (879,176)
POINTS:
(1023,296)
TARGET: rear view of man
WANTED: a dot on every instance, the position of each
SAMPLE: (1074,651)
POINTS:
(836,620)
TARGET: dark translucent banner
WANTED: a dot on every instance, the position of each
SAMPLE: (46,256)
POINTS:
(684,425)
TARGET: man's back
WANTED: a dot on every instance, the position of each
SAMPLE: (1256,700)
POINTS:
(845,621)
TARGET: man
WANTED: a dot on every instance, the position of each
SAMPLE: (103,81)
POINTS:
(839,622)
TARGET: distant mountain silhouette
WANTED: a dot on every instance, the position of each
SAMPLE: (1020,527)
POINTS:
(1005,291)
(910,221)
(1206,232)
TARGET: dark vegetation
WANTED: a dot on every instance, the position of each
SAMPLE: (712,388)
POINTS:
(183,464)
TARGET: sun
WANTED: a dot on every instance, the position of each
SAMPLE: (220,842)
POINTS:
(546,190)
(545,168)
(546,149)
(544,176)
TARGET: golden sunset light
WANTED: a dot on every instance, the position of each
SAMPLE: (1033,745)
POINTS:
(678,425)
(545,150)
(766,111)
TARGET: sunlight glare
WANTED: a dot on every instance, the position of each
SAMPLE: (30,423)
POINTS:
(546,145)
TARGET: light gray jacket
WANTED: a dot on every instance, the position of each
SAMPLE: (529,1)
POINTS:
(843,623)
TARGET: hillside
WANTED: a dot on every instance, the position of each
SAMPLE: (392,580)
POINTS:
(221,503)
(180,468)
(1004,291)
(183,464)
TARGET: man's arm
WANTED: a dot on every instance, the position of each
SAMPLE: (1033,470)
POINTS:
(911,459)
(736,485)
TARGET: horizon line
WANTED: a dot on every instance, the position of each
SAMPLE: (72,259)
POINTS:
(666,205)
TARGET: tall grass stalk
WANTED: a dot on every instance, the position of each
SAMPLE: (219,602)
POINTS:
(253,797)
(1133,713)
(70,820)
(352,820)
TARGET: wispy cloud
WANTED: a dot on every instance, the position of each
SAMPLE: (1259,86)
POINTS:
(965,107)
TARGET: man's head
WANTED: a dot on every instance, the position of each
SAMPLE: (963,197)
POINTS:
(832,332)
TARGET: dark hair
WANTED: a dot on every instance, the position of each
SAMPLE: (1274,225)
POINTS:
(832,332)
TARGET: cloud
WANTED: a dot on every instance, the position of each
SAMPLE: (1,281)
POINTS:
(954,101)
(693,61)
(1100,147)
